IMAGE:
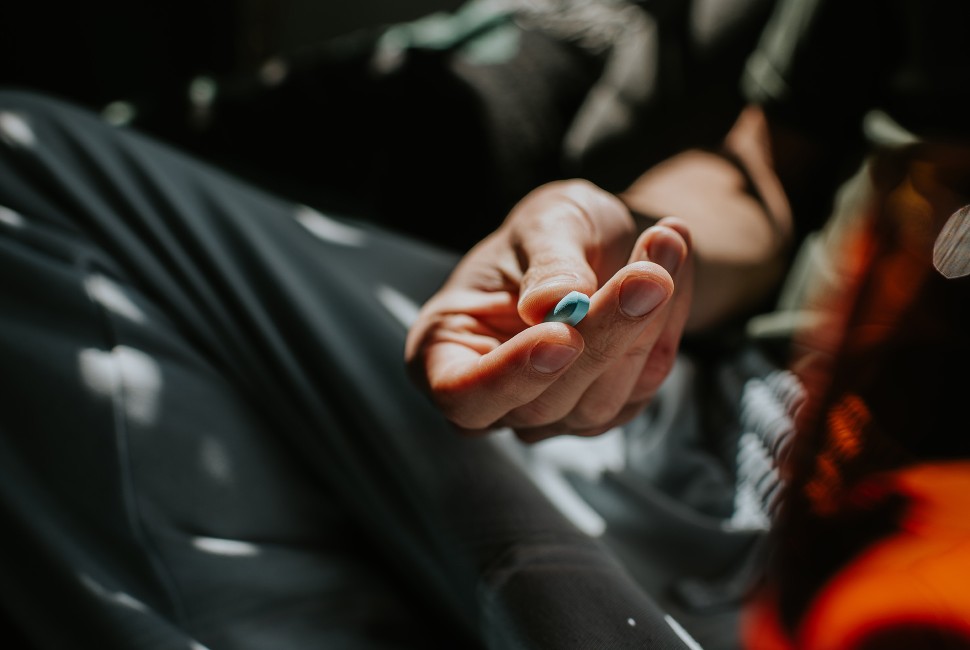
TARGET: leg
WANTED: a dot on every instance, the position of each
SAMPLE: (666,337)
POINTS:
(152,491)
(210,434)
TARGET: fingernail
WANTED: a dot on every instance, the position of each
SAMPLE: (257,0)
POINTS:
(639,297)
(665,251)
(552,357)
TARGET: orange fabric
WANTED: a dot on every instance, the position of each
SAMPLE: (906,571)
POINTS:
(920,575)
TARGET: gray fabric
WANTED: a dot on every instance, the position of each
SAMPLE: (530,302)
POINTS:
(208,440)
(685,493)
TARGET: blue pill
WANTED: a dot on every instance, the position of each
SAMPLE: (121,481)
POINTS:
(571,309)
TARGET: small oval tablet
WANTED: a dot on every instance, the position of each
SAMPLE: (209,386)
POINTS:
(570,310)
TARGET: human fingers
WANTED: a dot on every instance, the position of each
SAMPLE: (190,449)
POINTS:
(568,237)
(663,350)
(628,379)
(629,302)
(537,434)
(563,237)
(626,387)
(475,378)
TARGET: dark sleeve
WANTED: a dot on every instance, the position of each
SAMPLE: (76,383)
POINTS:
(817,64)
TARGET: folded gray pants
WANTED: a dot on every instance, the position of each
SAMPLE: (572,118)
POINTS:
(208,438)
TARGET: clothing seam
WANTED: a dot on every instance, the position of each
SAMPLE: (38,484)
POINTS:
(133,513)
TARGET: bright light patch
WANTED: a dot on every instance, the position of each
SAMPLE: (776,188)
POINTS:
(227,547)
(586,457)
(15,130)
(400,306)
(11,218)
(142,378)
(682,633)
(111,296)
(119,598)
(329,229)
(126,373)
(99,372)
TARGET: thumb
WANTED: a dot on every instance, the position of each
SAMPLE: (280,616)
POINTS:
(554,263)
(561,235)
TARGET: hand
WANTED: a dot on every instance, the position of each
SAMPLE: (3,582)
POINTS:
(480,346)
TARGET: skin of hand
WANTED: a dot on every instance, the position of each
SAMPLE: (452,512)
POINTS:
(480,347)
(738,211)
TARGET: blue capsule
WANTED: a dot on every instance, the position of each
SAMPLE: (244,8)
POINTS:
(570,310)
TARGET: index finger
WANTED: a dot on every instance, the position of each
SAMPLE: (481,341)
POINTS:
(552,251)
(566,240)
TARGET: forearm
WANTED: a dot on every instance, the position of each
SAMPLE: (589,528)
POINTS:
(739,218)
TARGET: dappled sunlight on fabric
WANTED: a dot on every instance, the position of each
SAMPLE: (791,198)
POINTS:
(119,598)
(99,372)
(329,229)
(10,218)
(15,130)
(127,374)
(682,633)
(226,547)
(107,293)
(400,306)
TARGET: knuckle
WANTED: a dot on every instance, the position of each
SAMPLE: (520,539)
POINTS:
(471,433)
(658,366)
(536,434)
(643,393)
(528,435)
(627,413)
(663,354)
(639,352)
(453,404)
(534,414)
(593,432)
(602,353)
(445,394)
(593,413)
(631,410)
(464,420)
